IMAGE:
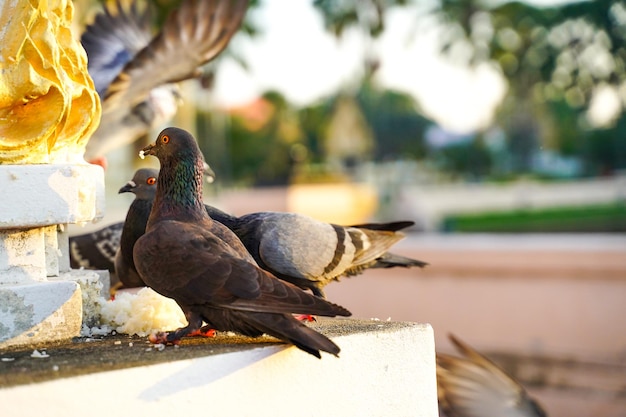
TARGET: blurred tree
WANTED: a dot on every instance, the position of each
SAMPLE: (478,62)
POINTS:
(571,51)
(469,160)
(394,118)
(565,65)
(314,121)
(369,15)
(262,136)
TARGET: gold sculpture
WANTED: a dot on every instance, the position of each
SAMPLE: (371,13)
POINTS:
(48,104)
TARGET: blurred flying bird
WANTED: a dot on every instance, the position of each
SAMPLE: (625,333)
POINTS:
(473,386)
(134,72)
(204,267)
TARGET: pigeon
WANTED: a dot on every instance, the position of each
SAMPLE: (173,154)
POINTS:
(96,250)
(282,243)
(204,267)
(310,253)
(474,386)
(101,249)
(143,185)
(111,248)
(134,73)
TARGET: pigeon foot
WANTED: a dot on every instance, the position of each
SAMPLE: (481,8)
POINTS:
(203,332)
(305,317)
(164,338)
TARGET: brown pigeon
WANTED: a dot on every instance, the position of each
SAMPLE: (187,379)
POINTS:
(205,268)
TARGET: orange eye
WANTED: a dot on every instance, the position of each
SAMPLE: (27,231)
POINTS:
(151,181)
(165,139)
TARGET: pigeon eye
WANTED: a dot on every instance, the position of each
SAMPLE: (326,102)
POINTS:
(165,139)
(151,181)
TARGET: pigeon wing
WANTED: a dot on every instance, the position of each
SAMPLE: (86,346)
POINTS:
(113,39)
(475,386)
(198,268)
(191,36)
(96,250)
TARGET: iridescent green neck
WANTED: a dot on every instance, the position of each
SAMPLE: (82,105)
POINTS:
(179,191)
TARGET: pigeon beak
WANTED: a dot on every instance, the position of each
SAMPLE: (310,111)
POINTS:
(148,150)
(209,174)
(128,187)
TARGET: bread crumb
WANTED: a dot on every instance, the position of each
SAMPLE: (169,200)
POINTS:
(38,354)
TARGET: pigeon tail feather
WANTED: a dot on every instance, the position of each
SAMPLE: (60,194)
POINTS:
(286,327)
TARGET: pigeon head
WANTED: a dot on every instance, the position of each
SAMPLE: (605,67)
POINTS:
(174,144)
(179,185)
(143,184)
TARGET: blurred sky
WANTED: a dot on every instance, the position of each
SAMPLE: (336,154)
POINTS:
(296,56)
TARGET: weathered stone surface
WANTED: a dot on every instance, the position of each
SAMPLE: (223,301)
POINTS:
(36,313)
(44,195)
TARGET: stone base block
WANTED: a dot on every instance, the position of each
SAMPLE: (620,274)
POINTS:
(39,313)
(94,287)
(47,194)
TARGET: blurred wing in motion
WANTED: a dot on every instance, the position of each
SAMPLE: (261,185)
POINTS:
(473,386)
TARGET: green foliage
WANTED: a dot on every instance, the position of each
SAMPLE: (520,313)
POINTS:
(369,15)
(606,149)
(398,127)
(470,160)
(266,153)
(593,219)
(314,122)
(551,45)
(553,58)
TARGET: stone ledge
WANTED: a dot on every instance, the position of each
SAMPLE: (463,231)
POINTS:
(48,194)
(385,368)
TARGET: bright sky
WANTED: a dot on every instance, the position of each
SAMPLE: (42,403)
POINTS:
(297,57)
(294,55)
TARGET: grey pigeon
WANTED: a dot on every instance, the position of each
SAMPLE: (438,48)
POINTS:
(134,72)
(204,267)
(111,248)
(143,185)
(473,386)
(311,253)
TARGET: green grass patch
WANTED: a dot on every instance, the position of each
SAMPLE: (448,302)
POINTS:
(609,218)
